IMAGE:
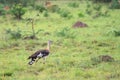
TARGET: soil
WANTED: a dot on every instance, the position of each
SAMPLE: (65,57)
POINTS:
(79,24)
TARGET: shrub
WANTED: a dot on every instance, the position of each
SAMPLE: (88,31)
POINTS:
(46,14)
(114,32)
(18,11)
(97,7)
(64,13)
(2,11)
(80,14)
(65,32)
(34,33)
(53,8)
(40,8)
(28,2)
(96,11)
(95,60)
(8,74)
(23,2)
(115,4)
(88,11)
(89,8)
(106,13)
(74,5)
(117,33)
(69,16)
(17,34)
(106,1)
(88,5)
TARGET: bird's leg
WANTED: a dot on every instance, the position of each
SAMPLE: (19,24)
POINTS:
(37,59)
(44,59)
(31,62)
(39,56)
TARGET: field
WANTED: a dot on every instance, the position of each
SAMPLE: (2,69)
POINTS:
(74,51)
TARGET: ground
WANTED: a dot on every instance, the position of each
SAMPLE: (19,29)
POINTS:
(73,49)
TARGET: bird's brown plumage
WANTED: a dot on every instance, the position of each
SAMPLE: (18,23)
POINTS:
(44,52)
(40,54)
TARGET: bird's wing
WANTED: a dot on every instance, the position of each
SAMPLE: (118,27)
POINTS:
(34,55)
(39,53)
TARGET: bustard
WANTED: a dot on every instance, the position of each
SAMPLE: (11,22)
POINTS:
(40,54)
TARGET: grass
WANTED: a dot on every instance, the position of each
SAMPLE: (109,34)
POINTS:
(70,57)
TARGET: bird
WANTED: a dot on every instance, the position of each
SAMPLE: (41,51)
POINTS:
(43,53)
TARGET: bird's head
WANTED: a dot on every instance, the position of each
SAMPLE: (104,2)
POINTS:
(49,43)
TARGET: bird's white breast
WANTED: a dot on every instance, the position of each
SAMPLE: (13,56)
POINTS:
(40,55)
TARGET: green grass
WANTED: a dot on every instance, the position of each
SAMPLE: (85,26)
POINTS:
(71,51)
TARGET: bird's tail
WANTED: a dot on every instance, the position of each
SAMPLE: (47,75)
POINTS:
(31,62)
(29,57)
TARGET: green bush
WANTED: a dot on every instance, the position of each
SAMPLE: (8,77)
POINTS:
(114,32)
(18,11)
(17,34)
(88,11)
(46,14)
(2,11)
(97,7)
(53,8)
(96,11)
(64,13)
(115,4)
(27,2)
(80,14)
(74,5)
(23,2)
(95,60)
(102,1)
(69,16)
(40,8)
(105,13)
(117,33)
(8,74)
(66,32)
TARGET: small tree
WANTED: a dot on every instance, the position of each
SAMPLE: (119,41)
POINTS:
(2,11)
(23,2)
(102,1)
(115,4)
(40,8)
(18,11)
(34,33)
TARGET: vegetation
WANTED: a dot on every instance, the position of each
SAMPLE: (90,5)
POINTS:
(115,4)
(102,1)
(64,13)
(4,9)
(40,8)
(18,11)
(14,34)
(74,5)
(24,2)
(46,14)
(76,53)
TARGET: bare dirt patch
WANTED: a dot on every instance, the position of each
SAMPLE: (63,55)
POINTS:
(79,24)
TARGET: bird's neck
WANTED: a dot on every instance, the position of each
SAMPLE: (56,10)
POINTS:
(48,46)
